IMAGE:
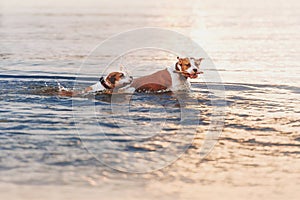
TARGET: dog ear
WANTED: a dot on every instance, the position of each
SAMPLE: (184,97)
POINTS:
(198,61)
(122,69)
(179,60)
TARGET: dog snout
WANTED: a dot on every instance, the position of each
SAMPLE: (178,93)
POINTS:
(195,70)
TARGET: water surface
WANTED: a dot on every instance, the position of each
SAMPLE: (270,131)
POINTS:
(254,47)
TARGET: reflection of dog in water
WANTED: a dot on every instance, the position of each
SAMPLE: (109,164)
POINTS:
(174,78)
(112,81)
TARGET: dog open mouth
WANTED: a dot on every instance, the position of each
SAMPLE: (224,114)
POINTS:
(194,75)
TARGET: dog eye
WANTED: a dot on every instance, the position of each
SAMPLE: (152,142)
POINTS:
(121,75)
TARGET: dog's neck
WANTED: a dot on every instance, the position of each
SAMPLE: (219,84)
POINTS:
(99,86)
(177,68)
(105,84)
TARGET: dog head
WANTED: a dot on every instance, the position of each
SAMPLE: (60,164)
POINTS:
(118,79)
(188,67)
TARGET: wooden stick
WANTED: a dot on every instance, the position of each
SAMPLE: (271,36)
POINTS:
(187,73)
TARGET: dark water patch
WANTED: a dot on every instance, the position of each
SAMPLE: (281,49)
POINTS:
(12,129)
(3,110)
(97,139)
(45,115)
(103,98)
(202,122)
(5,56)
(243,99)
(62,109)
(170,129)
(291,152)
(18,127)
(114,134)
(70,144)
(249,128)
(15,133)
(74,139)
(5,121)
(243,115)
(138,149)
(254,142)
(297,139)
(144,119)
(120,140)
(216,102)
(235,140)
(251,165)
(109,124)
(231,87)
(50,77)
(75,162)
(34,122)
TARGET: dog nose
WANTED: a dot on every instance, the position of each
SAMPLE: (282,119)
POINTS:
(195,70)
(130,77)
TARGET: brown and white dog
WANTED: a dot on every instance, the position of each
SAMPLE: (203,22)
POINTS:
(173,78)
(114,80)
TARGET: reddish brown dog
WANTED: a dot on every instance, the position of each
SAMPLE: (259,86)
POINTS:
(172,78)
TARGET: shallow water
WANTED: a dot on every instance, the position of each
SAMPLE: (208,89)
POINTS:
(58,141)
